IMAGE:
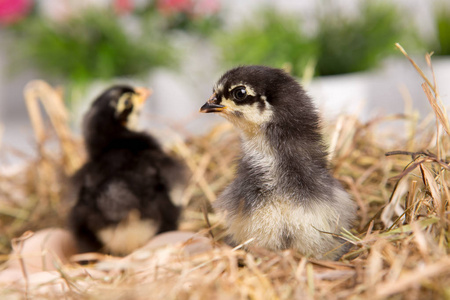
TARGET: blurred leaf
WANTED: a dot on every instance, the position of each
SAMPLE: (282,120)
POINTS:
(341,44)
(270,38)
(442,17)
(93,45)
(351,44)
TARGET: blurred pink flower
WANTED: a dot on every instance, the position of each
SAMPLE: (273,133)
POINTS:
(123,6)
(206,7)
(12,11)
(170,7)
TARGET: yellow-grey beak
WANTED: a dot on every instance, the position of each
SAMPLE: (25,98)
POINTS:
(142,94)
(211,105)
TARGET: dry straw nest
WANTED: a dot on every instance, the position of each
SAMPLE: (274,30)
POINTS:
(400,239)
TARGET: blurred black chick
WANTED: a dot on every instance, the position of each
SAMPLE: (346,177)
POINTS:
(127,188)
(283,195)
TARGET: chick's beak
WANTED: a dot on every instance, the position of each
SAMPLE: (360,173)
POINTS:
(142,94)
(212,106)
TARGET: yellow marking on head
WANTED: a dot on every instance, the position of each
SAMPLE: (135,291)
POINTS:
(250,118)
(125,101)
(135,102)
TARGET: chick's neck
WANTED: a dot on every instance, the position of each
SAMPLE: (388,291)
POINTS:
(291,158)
(102,135)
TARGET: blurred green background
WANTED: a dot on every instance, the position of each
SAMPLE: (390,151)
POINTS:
(129,38)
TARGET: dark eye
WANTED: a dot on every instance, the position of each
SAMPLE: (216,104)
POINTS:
(239,93)
(128,102)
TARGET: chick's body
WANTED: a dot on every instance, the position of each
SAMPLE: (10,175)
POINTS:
(283,195)
(124,189)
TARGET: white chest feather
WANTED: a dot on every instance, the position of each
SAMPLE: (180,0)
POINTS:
(259,155)
(128,235)
(282,223)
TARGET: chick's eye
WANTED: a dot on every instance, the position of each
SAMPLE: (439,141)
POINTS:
(127,102)
(239,93)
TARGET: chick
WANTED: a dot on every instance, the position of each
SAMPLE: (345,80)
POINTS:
(124,189)
(283,195)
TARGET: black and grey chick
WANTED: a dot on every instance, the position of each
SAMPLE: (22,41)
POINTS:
(127,188)
(283,195)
